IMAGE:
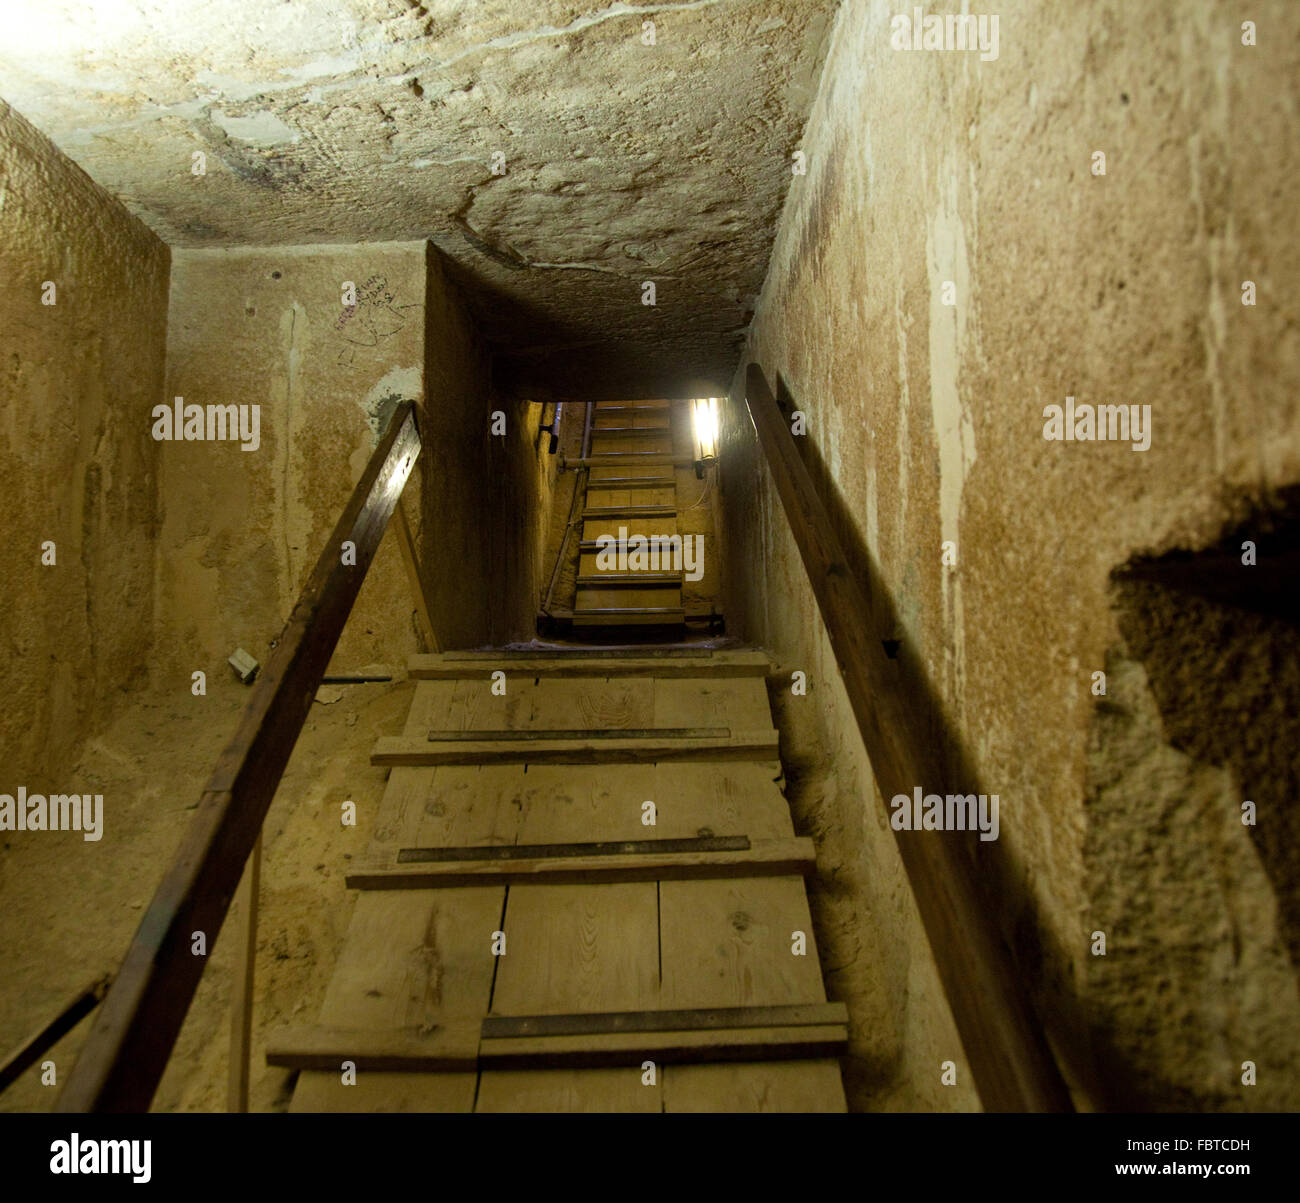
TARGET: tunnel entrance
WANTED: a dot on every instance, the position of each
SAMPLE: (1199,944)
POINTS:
(632,549)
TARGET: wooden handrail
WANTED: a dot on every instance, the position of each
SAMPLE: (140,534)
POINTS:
(50,1033)
(1008,1054)
(140,1019)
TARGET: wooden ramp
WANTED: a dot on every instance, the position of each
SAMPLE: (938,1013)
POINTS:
(525,941)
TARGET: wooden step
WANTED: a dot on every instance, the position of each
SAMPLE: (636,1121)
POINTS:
(669,663)
(450,1047)
(613,407)
(620,616)
(657,603)
(601,484)
(672,860)
(632,432)
(614,544)
(518,805)
(630,511)
(623,747)
(646,705)
(603,459)
(615,580)
(620,1038)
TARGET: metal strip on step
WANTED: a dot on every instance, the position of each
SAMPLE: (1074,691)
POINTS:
(627,611)
(649,652)
(615,483)
(583,733)
(629,580)
(711,843)
(503,1027)
(629,511)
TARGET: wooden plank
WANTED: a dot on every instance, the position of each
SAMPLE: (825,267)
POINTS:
(632,431)
(639,405)
(693,798)
(461,1046)
(730,945)
(618,497)
(136,1028)
(465,703)
(657,441)
(640,663)
(663,603)
(577,947)
(431,1093)
(618,532)
(444,854)
(667,1048)
(414,959)
(741,703)
(559,733)
(449,802)
(765,858)
(241,1003)
(629,511)
(741,745)
(664,549)
(1010,1060)
(629,476)
(603,484)
(662,617)
(411,561)
(629,580)
(802,1086)
(626,459)
(568,1091)
(697,1019)
(479,666)
(448,1047)
(529,703)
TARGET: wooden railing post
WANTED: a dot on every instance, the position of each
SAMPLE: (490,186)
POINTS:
(411,558)
(1008,1054)
(241,1002)
(140,1019)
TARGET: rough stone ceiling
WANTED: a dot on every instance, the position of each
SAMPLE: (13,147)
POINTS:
(341,121)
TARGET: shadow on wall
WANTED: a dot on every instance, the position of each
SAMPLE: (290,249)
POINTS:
(1201,910)
(1045,967)
(1199,891)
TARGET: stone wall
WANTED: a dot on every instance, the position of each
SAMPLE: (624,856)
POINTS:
(77,466)
(949,266)
(242,529)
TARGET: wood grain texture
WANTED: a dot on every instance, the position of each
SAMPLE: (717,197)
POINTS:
(579,950)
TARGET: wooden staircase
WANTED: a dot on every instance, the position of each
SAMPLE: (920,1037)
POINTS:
(525,939)
(632,487)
